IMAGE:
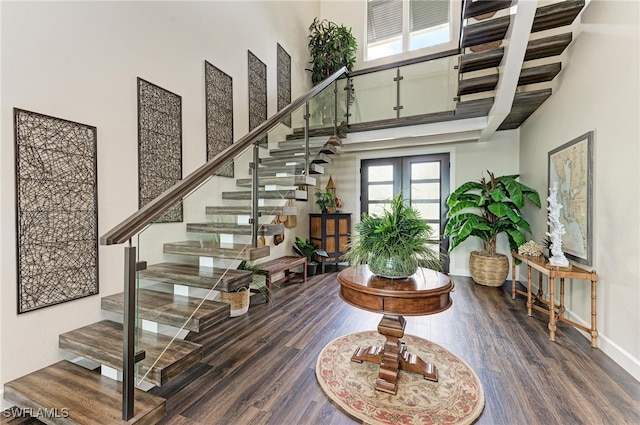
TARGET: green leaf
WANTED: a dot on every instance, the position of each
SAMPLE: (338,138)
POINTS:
(515,193)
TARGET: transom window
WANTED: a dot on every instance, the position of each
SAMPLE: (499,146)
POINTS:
(398,26)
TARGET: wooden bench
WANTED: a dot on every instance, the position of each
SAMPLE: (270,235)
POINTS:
(281,265)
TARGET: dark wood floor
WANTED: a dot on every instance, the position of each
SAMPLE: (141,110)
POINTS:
(260,368)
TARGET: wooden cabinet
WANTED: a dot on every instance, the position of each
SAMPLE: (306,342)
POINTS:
(330,232)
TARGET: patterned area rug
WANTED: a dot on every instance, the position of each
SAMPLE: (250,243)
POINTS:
(457,398)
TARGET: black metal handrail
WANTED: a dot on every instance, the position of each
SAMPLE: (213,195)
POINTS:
(147,214)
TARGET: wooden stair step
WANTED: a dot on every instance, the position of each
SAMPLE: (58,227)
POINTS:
(536,49)
(474,108)
(548,46)
(220,279)
(286,181)
(80,397)
(193,314)
(477,84)
(321,131)
(318,159)
(317,142)
(235,229)
(291,167)
(524,104)
(102,342)
(215,249)
(481,60)
(476,8)
(485,31)
(297,151)
(246,210)
(533,75)
(556,15)
(539,74)
(299,195)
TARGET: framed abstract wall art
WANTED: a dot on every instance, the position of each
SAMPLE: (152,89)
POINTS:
(56,210)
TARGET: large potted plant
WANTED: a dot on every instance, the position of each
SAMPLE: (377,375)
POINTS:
(396,243)
(485,209)
(331,47)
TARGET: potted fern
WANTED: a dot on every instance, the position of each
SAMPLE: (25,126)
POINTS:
(396,243)
(485,209)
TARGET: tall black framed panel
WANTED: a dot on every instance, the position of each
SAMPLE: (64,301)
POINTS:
(56,210)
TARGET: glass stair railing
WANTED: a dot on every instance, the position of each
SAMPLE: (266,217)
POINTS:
(187,276)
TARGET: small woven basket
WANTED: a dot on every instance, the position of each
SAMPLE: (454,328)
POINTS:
(239,301)
(488,269)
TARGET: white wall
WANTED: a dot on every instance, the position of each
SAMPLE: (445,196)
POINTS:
(599,91)
(79,61)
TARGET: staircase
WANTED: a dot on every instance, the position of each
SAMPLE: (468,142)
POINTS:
(175,294)
(478,65)
(204,260)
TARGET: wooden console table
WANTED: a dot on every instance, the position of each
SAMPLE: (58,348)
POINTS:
(555,311)
(426,292)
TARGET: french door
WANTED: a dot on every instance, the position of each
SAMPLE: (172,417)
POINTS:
(423,181)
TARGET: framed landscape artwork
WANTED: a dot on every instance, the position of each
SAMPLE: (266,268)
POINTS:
(571,166)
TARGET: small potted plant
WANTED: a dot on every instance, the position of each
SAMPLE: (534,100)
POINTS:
(395,244)
(485,209)
(326,201)
(307,249)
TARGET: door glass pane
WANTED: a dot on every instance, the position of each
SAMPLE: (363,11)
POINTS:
(425,191)
(380,173)
(428,211)
(380,192)
(376,209)
(425,170)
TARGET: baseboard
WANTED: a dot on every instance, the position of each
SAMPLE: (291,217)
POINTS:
(620,356)
(616,353)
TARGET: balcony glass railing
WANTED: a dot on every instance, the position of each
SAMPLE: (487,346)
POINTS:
(404,91)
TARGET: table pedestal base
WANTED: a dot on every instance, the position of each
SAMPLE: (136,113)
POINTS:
(393,356)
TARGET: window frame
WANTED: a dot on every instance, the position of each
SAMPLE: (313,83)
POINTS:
(453,43)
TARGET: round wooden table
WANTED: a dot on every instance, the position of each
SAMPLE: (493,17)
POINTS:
(426,292)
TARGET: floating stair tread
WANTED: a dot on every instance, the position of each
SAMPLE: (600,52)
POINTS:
(300,151)
(246,210)
(280,167)
(476,8)
(474,108)
(215,249)
(88,397)
(318,159)
(485,31)
(220,279)
(481,60)
(556,15)
(102,343)
(539,74)
(235,229)
(299,195)
(318,142)
(548,46)
(477,84)
(524,104)
(298,133)
(194,314)
(279,181)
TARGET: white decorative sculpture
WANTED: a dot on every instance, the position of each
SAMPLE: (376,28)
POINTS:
(557,229)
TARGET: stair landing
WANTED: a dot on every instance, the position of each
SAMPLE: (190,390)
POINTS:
(68,394)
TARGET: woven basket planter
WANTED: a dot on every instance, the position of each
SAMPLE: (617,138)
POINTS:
(239,301)
(488,269)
